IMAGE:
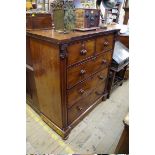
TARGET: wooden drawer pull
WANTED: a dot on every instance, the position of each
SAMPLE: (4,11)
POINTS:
(106,43)
(104,61)
(81,91)
(79,108)
(82,72)
(101,77)
(83,52)
(98,93)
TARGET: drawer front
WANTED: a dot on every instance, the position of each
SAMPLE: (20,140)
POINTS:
(84,89)
(80,51)
(84,103)
(78,73)
(104,43)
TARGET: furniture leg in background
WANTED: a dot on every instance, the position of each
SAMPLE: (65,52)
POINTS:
(123,145)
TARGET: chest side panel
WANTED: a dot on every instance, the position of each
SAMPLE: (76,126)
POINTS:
(46,64)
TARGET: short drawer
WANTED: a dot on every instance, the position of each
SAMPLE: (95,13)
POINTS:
(80,72)
(104,43)
(82,90)
(80,51)
(84,103)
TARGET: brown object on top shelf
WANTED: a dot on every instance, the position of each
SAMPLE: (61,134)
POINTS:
(69,74)
(87,18)
(123,145)
(38,21)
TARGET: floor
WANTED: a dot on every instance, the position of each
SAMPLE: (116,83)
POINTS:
(98,133)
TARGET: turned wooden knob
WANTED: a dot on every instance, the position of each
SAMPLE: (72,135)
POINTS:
(83,52)
(98,93)
(101,77)
(106,43)
(82,72)
(81,91)
(79,108)
(104,61)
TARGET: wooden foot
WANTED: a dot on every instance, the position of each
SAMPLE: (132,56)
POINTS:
(65,138)
(121,84)
(108,95)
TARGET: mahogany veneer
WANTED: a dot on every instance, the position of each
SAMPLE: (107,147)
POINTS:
(38,21)
(67,74)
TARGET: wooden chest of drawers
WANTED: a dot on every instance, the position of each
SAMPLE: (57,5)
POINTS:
(67,74)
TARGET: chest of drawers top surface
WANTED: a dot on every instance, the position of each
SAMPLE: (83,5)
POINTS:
(55,37)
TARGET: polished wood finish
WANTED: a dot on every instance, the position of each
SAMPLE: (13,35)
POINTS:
(28,54)
(123,146)
(46,64)
(104,43)
(124,39)
(95,91)
(55,37)
(82,90)
(81,50)
(31,90)
(30,80)
(84,70)
(38,21)
(69,85)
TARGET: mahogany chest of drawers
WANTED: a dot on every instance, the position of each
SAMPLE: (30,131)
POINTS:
(67,74)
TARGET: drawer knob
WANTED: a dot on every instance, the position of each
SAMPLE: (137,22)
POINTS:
(104,61)
(79,108)
(83,52)
(101,77)
(106,43)
(98,93)
(81,91)
(82,72)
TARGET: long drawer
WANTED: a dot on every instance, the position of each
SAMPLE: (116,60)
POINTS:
(86,101)
(80,72)
(84,89)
